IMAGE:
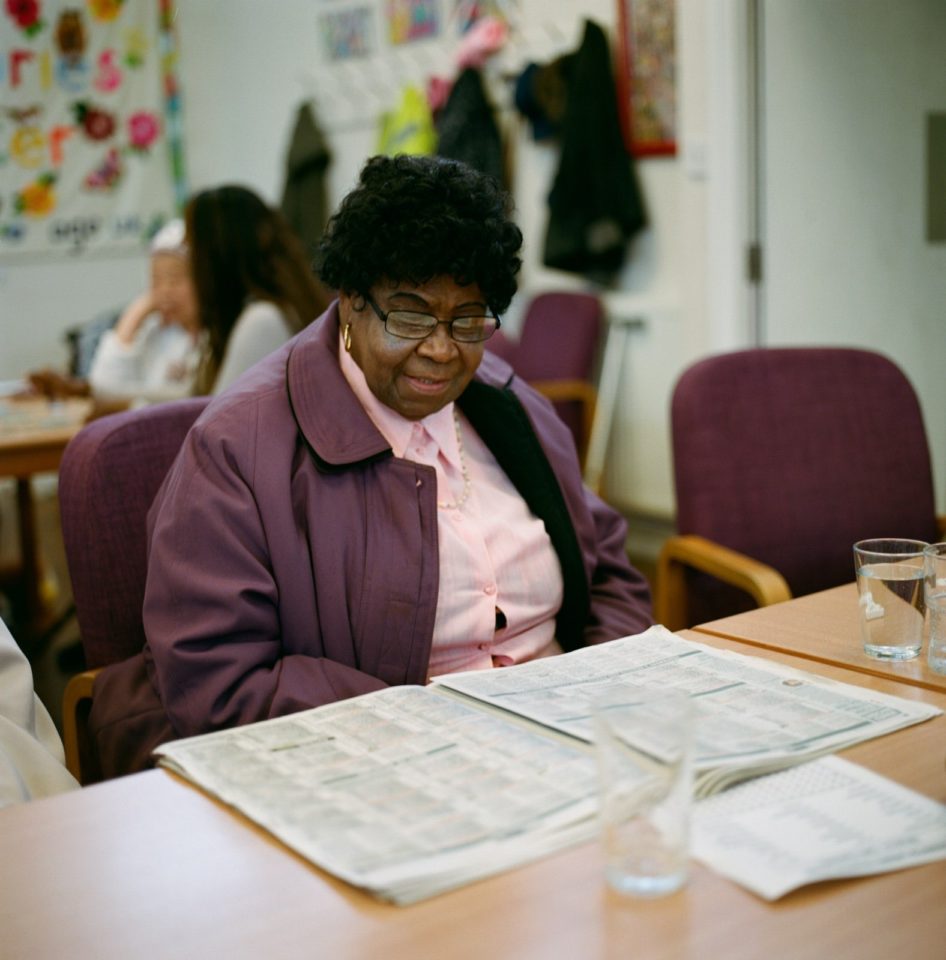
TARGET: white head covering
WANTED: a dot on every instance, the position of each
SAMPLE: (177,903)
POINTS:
(170,239)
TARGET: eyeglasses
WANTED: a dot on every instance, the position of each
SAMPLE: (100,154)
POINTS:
(418,326)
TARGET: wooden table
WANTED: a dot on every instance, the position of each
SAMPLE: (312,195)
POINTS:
(148,867)
(33,436)
(824,627)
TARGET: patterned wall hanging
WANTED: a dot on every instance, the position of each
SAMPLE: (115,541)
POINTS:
(90,134)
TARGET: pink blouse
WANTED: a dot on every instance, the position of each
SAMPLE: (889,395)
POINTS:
(500,579)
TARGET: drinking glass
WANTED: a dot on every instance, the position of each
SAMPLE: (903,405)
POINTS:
(935,597)
(644,752)
(890,575)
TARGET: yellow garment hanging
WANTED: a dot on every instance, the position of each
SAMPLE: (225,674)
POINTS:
(409,128)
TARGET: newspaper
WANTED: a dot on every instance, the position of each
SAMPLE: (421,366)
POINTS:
(411,791)
(818,821)
(753,716)
(404,792)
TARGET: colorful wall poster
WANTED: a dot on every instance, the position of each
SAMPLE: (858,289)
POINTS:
(410,20)
(346,33)
(90,153)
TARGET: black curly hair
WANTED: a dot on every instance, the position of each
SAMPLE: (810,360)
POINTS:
(413,218)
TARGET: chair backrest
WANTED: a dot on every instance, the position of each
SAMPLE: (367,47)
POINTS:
(82,341)
(790,455)
(109,475)
(559,341)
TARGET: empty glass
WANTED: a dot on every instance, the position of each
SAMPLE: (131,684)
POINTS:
(644,751)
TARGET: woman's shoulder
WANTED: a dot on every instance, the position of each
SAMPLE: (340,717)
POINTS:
(253,419)
(263,315)
(259,330)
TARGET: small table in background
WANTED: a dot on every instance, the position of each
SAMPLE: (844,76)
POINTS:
(33,436)
(821,626)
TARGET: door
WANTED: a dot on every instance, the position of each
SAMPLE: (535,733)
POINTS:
(846,92)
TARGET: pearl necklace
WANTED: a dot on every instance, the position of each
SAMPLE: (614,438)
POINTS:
(467,482)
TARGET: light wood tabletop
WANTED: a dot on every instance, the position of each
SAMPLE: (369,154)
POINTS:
(824,627)
(34,433)
(149,867)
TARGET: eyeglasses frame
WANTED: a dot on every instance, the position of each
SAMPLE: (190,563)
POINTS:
(383,317)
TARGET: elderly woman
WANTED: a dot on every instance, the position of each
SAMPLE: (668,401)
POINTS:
(380,500)
(153,351)
(148,352)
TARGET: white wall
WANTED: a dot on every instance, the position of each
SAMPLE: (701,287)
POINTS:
(848,87)
(38,301)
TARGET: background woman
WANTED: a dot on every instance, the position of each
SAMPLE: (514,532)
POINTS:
(254,286)
(231,291)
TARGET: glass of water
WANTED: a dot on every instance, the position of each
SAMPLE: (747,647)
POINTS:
(644,751)
(890,575)
(936,604)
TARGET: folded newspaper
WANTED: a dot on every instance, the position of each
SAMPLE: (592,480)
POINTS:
(411,791)
(821,820)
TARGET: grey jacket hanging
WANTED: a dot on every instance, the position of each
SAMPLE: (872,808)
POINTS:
(304,202)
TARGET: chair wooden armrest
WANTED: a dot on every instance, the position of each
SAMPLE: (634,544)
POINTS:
(941,526)
(76,704)
(560,391)
(762,582)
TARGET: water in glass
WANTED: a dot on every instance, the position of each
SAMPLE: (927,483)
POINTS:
(891,610)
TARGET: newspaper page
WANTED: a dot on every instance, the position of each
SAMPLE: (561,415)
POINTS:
(753,716)
(402,792)
(821,820)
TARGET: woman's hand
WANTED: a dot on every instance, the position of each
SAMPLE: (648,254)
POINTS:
(130,321)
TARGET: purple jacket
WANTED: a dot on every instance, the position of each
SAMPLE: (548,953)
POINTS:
(294,559)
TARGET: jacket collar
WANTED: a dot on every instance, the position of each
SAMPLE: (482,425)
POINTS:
(329,415)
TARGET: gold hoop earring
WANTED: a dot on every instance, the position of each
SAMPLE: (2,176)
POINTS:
(346,337)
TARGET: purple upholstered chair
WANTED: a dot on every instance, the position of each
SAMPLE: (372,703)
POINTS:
(557,353)
(110,473)
(783,458)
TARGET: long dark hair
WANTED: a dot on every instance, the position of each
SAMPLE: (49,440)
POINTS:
(242,249)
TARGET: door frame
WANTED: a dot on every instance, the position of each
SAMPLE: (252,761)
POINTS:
(736,170)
